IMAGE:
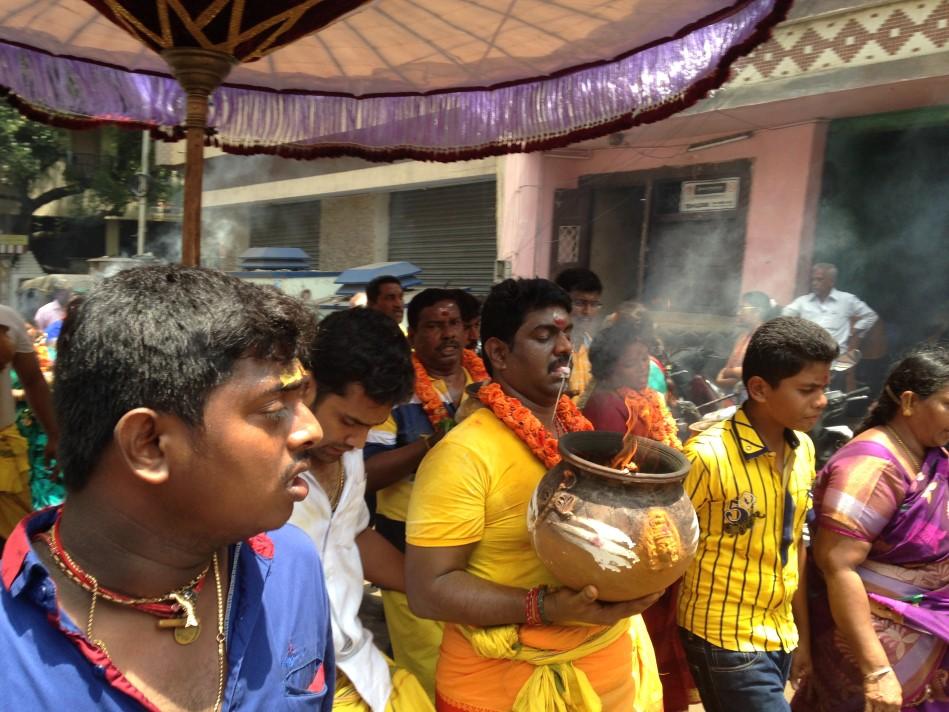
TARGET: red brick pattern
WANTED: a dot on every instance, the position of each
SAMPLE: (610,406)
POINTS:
(879,33)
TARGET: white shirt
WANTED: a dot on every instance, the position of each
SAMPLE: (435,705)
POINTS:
(335,536)
(22,344)
(834,314)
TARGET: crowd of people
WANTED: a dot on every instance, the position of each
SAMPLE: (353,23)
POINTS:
(220,410)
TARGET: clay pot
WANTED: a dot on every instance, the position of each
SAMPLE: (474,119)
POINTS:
(629,535)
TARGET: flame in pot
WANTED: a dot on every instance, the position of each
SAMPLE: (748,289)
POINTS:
(623,460)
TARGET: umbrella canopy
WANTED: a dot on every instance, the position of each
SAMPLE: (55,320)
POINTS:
(427,79)
(388,79)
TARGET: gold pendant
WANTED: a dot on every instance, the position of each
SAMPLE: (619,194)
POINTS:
(188,628)
(186,631)
(187,635)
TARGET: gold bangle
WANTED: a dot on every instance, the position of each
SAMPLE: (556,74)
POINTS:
(877,674)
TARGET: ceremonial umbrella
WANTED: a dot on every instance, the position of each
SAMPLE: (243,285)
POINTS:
(384,79)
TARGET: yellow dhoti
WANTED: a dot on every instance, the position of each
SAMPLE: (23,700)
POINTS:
(547,669)
(15,499)
(415,641)
(407,694)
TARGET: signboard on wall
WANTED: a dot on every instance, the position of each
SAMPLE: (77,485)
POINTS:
(700,196)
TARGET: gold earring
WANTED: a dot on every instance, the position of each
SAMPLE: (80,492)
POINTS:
(907,412)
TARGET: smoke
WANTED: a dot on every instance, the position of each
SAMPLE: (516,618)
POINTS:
(219,236)
(228,171)
(693,262)
(884,221)
(110,270)
(218,240)
(694,267)
(166,243)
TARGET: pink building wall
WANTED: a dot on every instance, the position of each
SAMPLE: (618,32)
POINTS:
(786,166)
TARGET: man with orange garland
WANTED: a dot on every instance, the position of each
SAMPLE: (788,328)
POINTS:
(394,450)
(510,642)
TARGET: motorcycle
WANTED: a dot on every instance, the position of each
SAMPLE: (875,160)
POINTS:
(834,429)
(696,396)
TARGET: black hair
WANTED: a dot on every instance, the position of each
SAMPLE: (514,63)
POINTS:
(509,303)
(365,347)
(579,279)
(924,371)
(160,337)
(427,298)
(468,304)
(374,288)
(783,347)
(610,344)
(635,315)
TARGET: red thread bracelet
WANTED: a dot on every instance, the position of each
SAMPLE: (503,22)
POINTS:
(531,608)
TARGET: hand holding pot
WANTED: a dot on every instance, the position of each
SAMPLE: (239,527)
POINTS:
(568,606)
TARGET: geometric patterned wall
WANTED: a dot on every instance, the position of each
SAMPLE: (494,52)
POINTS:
(874,33)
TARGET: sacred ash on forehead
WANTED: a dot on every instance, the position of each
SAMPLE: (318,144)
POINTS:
(293,373)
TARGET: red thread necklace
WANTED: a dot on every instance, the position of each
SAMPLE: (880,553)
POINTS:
(175,609)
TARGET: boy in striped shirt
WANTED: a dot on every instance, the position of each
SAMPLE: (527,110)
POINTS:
(750,484)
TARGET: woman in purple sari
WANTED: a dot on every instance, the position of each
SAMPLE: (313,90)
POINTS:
(880,602)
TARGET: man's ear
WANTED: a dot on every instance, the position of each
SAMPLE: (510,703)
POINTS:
(497,352)
(142,437)
(309,391)
(758,389)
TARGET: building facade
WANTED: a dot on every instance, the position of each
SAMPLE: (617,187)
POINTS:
(743,191)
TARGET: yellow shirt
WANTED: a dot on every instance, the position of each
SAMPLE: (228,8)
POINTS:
(737,593)
(475,486)
(581,373)
(406,424)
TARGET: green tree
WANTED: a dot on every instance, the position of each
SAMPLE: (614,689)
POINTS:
(38,166)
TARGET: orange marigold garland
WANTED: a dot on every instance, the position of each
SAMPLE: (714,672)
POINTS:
(431,399)
(523,423)
(474,366)
(653,420)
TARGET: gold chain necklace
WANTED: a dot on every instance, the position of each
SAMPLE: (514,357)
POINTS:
(186,628)
(916,462)
(221,637)
(340,483)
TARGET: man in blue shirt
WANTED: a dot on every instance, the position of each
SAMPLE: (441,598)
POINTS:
(184,434)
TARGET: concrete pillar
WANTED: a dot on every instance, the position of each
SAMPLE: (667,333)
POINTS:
(520,223)
(782,210)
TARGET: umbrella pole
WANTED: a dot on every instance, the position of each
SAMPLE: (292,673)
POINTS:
(200,72)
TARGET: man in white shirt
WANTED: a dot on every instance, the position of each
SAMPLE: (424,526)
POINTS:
(844,315)
(361,364)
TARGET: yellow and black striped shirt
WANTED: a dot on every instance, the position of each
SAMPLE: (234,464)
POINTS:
(737,593)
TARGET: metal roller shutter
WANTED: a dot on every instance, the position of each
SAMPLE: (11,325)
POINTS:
(287,225)
(451,233)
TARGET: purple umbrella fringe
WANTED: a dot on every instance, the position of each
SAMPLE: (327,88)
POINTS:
(642,87)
